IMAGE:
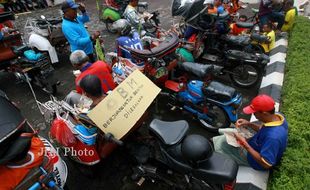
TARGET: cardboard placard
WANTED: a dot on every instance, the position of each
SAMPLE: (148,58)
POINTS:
(120,110)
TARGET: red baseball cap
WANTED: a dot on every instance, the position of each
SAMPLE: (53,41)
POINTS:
(260,103)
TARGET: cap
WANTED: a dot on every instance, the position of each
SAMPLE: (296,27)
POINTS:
(260,103)
(69,4)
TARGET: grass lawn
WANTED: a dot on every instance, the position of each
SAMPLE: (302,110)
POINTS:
(294,171)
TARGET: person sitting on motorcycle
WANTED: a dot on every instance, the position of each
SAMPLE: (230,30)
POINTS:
(264,150)
(267,13)
(290,15)
(127,38)
(235,30)
(12,173)
(74,29)
(132,15)
(102,70)
(269,32)
(91,87)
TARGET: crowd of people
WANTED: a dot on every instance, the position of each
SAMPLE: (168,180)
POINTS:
(94,78)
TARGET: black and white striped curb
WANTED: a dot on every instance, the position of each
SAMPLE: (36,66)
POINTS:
(271,85)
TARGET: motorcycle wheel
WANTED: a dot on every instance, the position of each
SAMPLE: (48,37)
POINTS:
(108,25)
(219,119)
(245,75)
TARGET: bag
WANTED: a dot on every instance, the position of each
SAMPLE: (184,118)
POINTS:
(32,55)
(99,50)
(62,133)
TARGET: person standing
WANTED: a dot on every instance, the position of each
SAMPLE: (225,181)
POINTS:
(74,29)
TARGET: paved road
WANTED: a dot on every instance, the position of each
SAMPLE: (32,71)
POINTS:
(110,172)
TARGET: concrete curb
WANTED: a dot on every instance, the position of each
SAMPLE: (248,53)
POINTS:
(271,85)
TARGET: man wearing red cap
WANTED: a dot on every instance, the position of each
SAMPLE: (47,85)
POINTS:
(265,149)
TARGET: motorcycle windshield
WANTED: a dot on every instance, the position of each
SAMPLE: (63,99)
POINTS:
(186,8)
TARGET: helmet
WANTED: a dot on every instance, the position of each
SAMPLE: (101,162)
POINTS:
(196,148)
(211,2)
(122,26)
(220,10)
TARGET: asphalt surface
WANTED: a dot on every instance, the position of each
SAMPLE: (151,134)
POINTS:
(109,174)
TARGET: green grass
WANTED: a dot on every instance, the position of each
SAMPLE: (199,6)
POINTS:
(294,170)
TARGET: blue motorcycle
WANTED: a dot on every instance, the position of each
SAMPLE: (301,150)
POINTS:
(214,104)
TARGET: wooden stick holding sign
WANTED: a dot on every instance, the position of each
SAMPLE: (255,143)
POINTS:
(120,110)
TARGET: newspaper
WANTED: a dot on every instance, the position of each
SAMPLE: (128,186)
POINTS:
(230,135)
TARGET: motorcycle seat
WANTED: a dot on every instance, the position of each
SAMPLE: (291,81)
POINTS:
(198,69)
(19,50)
(170,133)
(219,91)
(245,24)
(240,55)
(243,40)
(159,51)
(260,38)
(218,169)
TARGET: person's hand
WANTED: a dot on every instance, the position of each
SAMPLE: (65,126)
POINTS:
(242,123)
(82,7)
(95,35)
(241,140)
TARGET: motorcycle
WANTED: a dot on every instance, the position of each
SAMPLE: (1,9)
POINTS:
(77,133)
(214,104)
(15,136)
(178,160)
(245,69)
(113,10)
(45,34)
(26,64)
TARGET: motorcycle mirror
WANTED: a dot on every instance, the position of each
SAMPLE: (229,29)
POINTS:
(43,17)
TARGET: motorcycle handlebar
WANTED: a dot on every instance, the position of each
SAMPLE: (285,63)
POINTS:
(110,137)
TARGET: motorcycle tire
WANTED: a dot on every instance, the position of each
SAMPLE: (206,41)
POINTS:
(219,119)
(108,25)
(245,75)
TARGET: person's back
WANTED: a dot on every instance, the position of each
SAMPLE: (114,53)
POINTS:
(103,71)
(133,41)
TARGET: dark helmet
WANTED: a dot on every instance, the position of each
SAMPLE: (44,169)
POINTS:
(196,148)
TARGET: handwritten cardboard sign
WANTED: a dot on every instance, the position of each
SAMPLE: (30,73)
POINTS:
(120,110)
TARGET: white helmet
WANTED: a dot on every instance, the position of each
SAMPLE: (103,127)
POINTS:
(122,26)
(211,2)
